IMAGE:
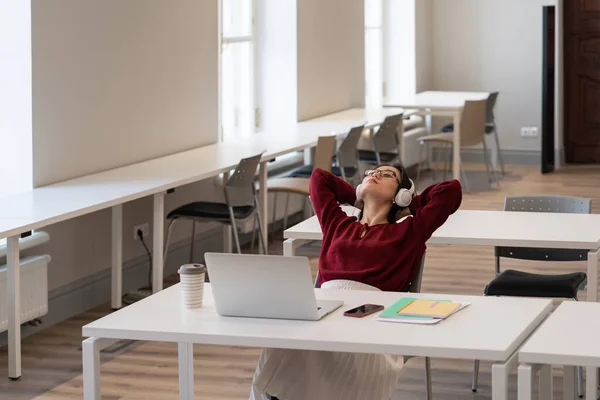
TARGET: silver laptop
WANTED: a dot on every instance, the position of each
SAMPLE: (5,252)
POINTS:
(263,286)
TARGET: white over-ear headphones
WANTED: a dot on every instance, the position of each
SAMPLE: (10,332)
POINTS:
(403,198)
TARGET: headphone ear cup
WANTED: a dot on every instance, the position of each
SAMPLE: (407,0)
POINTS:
(358,192)
(403,198)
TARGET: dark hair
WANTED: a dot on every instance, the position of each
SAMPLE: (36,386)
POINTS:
(404,184)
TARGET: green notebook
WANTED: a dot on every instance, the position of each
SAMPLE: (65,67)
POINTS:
(390,314)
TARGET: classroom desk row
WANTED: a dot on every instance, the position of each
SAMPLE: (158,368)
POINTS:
(40,207)
(494,228)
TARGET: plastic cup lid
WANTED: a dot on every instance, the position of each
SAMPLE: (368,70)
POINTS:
(192,269)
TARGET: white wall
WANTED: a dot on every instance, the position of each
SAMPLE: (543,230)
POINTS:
(331,68)
(116,82)
(15,96)
(120,81)
(493,45)
(423,45)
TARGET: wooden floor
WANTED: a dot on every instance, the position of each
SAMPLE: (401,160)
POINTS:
(140,370)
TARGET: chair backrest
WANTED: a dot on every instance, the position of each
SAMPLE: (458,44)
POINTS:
(386,140)
(347,153)
(415,284)
(413,287)
(240,189)
(324,152)
(491,103)
(548,204)
(472,123)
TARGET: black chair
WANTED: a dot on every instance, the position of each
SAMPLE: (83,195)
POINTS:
(241,203)
(523,284)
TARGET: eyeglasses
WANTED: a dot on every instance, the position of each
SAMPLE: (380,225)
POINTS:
(384,173)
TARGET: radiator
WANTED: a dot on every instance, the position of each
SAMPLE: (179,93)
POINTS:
(34,290)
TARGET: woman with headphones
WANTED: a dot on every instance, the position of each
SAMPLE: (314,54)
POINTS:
(381,246)
(379,250)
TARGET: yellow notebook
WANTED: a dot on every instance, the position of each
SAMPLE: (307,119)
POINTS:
(430,308)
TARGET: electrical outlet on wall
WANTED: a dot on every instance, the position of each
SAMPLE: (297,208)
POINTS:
(529,132)
(145,228)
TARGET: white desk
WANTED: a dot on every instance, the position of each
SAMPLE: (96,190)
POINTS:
(444,104)
(477,332)
(371,117)
(37,208)
(568,337)
(496,228)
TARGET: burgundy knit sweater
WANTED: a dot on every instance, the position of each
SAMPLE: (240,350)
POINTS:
(387,256)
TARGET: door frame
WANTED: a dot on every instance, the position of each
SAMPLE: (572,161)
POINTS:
(559,141)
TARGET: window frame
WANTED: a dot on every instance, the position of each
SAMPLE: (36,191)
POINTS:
(225,41)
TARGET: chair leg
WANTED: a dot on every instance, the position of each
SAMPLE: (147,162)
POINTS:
(475,376)
(234,229)
(274,210)
(253,235)
(500,159)
(580,382)
(168,240)
(488,165)
(464,178)
(447,162)
(192,241)
(428,388)
(285,214)
(419,162)
(260,226)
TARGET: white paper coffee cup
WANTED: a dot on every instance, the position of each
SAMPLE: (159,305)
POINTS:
(191,277)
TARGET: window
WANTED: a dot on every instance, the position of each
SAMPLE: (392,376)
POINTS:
(374,81)
(237,68)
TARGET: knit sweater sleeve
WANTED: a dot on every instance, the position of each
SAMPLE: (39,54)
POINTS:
(327,192)
(434,205)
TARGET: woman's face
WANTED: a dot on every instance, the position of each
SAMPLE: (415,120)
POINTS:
(381,183)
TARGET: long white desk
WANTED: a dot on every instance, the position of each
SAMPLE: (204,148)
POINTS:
(496,228)
(444,104)
(568,337)
(477,332)
(40,207)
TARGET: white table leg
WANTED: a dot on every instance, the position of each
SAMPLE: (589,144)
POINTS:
(91,366)
(545,383)
(227,232)
(227,239)
(14,307)
(308,156)
(569,383)
(263,202)
(456,146)
(157,242)
(525,382)
(290,246)
(117,257)
(186,371)
(591,383)
(500,373)
(592,275)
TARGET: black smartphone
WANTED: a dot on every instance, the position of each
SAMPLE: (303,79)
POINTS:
(364,310)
